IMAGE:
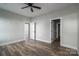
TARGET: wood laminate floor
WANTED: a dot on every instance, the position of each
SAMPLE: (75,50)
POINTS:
(36,48)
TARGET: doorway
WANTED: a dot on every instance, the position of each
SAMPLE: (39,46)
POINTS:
(55,31)
(30,31)
(33,30)
(27,31)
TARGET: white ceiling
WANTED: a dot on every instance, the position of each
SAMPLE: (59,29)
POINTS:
(46,7)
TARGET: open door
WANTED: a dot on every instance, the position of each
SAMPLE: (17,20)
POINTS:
(33,30)
(55,32)
(26,31)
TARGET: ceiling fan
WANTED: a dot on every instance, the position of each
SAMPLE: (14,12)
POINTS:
(31,5)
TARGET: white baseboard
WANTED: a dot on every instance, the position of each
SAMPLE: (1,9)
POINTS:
(10,42)
(44,41)
(22,39)
(69,46)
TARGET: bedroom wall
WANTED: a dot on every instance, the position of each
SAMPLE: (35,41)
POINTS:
(78,26)
(11,27)
(68,26)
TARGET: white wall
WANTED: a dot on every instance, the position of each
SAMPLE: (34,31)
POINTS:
(42,29)
(69,31)
(78,26)
(68,26)
(11,27)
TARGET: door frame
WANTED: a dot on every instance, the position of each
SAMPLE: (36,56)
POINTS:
(34,30)
(60,29)
(28,30)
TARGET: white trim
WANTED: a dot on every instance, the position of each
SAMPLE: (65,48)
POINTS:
(60,27)
(69,46)
(43,41)
(11,42)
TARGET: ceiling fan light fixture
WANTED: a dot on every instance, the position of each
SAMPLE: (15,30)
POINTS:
(31,5)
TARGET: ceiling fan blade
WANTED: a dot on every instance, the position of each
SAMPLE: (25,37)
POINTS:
(36,7)
(31,9)
(24,7)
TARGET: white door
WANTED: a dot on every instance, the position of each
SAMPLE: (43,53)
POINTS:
(33,31)
(26,31)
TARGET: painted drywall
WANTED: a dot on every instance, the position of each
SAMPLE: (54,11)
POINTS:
(42,29)
(78,26)
(69,31)
(11,27)
(68,26)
